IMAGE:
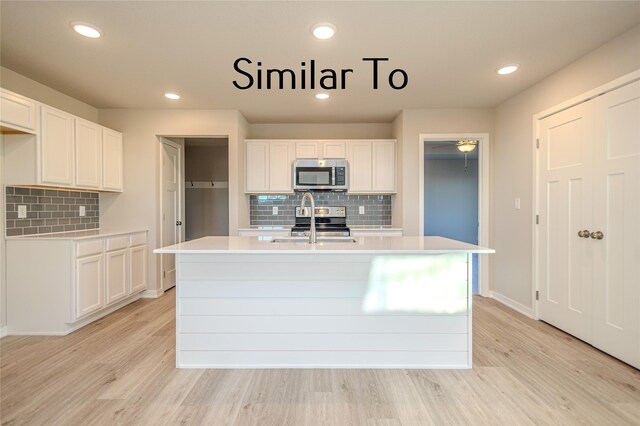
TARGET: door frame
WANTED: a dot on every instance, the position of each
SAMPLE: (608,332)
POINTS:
(483,196)
(600,90)
(165,140)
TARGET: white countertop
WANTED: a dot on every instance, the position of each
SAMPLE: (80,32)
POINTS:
(288,227)
(363,245)
(78,235)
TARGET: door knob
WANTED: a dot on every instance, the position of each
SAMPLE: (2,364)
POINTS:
(178,222)
(584,234)
(597,235)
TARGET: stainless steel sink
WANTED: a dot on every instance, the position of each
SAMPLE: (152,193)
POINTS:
(320,240)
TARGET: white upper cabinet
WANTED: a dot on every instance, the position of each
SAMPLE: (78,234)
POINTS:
(17,113)
(372,166)
(256,166)
(268,166)
(384,166)
(330,149)
(88,154)
(307,149)
(112,160)
(281,158)
(334,149)
(57,147)
(359,158)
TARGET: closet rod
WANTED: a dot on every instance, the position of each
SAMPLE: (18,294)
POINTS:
(205,184)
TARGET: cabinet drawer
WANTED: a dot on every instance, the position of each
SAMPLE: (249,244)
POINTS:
(117,243)
(138,239)
(88,248)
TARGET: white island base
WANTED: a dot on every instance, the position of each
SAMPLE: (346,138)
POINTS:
(249,303)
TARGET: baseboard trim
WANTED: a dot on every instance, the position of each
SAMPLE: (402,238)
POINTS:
(516,306)
(3,332)
(151,294)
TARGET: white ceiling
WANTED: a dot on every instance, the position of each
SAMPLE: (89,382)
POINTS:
(450,51)
(446,150)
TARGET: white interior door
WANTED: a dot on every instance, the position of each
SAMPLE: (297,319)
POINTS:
(171,206)
(617,215)
(565,200)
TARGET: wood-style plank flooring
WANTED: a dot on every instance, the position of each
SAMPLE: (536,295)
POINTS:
(120,370)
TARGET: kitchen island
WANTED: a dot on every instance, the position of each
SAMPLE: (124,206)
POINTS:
(391,302)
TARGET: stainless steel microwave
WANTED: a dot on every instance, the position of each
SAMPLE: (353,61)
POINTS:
(321,175)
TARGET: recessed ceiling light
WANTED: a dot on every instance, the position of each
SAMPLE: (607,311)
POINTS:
(86,30)
(172,96)
(507,69)
(322,96)
(323,30)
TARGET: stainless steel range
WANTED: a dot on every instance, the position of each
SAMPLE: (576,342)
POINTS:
(330,222)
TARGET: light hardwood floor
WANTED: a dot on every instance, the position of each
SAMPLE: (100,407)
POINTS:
(120,370)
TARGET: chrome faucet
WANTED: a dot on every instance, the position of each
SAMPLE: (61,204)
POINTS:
(312,229)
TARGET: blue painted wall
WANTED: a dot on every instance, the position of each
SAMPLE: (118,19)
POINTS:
(451,199)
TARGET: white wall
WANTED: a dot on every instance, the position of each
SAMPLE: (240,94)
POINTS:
(137,206)
(18,83)
(408,127)
(321,131)
(513,156)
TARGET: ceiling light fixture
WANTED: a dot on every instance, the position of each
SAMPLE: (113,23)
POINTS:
(507,69)
(86,30)
(466,146)
(172,96)
(322,96)
(323,30)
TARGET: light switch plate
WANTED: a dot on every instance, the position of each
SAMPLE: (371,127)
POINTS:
(22,212)
(517,203)
(361,210)
(274,210)
(83,211)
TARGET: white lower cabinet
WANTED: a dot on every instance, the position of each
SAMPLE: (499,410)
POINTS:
(89,285)
(116,276)
(138,269)
(77,281)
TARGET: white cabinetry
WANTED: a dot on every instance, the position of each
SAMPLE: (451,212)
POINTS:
(116,269)
(589,233)
(359,158)
(138,262)
(269,166)
(372,166)
(334,149)
(56,147)
(81,281)
(88,142)
(17,113)
(89,285)
(59,150)
(112,160)
(329,149)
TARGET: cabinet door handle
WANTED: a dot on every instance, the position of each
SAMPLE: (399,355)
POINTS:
(584,234)
(597,235)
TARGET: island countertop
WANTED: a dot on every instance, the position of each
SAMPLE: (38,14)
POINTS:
(362,245)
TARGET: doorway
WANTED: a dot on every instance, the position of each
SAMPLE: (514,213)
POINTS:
(206,187)
(451,195)
(454,195)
